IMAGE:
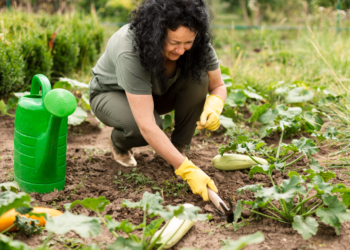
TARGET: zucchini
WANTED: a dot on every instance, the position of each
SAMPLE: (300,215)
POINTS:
(229,162)
(174,225)
(8,218)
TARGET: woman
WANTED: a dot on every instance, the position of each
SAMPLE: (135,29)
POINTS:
(161,61)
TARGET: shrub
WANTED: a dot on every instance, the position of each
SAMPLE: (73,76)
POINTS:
(65,53)
(37,56)
(11,68)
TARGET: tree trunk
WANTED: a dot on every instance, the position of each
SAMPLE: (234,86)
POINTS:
(245,12)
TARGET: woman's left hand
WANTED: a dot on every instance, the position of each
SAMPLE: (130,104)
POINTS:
(210,116)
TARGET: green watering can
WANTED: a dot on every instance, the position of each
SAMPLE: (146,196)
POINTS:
(41,137)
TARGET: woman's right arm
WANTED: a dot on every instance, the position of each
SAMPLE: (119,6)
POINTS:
(142,107)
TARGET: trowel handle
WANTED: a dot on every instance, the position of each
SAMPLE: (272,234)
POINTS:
(215,198)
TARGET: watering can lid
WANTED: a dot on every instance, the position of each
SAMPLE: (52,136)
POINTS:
(60,102)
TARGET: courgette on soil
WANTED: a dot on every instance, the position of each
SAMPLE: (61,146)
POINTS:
(8,218)
(173,226)
(229,162)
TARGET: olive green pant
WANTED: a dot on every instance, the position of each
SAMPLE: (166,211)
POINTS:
(186,96)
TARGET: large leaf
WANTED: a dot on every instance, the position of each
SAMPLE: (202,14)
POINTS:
(236,98)
(253,95)
(7,243)
(238,211)
(306,146)
(334,214)
(331,133)
(307,227)
(293,185)
(152,227)
(167,121)
(256,238)
(290,112)
(252,188)
(227,122)
(83,225)
(125,244)
(9,186)
(263,169)
(320,186)
(259,111)
(74,83)
(299,95)
(94,204)
(9,200)
(184,213)
(268,116)
(123,225)
(149,201)
(315,166)
(77,117)
(313,122)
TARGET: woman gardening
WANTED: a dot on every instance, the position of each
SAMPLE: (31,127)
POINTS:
(161,61)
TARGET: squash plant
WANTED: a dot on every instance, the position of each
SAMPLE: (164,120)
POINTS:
(304,199)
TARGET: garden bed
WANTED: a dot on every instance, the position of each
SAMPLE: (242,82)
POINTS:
(92,173)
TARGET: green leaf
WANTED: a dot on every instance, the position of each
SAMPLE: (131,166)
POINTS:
(268,116)
(320,186)
(263,169)
(252,188)
(346,199)
(306,146)
(307,227)
(9,200)
(315,166)
(313,122)
(10,186)
(331,133)
(124,225)
(152,227)
(290,112)
(167,121)
(299,95)
(84,101)
(27,226)
(253,95)
(259,111)
(11,103)
(77,117)
(94,204)
(236,98)
(292,173)
(238,211)
(149,201)
(74,83)
(334,214)
(227,122)
(23,210)
(125,244)
(256,238)
(293,185)
(10,244)
(62,85)
(83,225)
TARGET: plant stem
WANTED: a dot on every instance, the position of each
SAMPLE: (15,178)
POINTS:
(273,213)
(274,218)
(291,163)
(48,239)
(144,228)
(316,206)
(309,213)
(161,247)
(7,229)
(154,242)
(286,158)
(286,209)
(104,222)
(264,153)
(273,183)
(276,209)
(253,158)
(279,146)
(302,203)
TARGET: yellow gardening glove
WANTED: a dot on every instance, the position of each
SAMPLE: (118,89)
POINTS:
(210,116)
(196,178)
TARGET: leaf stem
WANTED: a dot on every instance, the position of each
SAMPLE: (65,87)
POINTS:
(273,214)
(155,241)
(7,229)
(276,209)
(291,163)
(48,239)
(144,228)
(274,218)
(161,247)
(253,159)
(303,202)
(264,153)
(104,222)
(279,145)
(287,157)
(309,213)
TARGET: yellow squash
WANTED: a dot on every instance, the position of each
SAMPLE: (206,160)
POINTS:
(8,218)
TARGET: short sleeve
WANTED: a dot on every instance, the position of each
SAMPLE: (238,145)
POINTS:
(132,76)
(213,61)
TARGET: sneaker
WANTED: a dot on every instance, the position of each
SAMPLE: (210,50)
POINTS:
(124,158)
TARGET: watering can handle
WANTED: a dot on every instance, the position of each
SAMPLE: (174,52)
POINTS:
(38,81)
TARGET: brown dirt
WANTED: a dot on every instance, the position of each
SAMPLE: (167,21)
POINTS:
(91,173)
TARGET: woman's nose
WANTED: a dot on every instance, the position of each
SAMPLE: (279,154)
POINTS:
(180,50)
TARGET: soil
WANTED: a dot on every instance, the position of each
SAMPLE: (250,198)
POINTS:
(91,173)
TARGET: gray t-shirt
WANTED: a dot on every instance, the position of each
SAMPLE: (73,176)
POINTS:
(119,68)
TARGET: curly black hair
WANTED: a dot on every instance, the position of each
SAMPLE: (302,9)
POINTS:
(151,21)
